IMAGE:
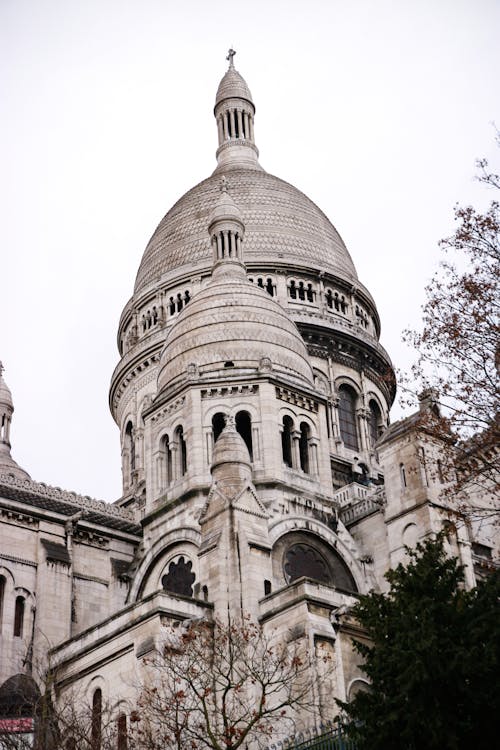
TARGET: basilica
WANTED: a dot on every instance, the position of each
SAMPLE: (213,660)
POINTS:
(261,475)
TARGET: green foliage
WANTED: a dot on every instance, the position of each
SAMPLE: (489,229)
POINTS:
(433,659)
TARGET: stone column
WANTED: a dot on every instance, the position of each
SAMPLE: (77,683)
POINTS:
(245,125)
(296,449)
(232,128)
(226,125)
(240,123)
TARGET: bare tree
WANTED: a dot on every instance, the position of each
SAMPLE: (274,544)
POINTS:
(459,351)
(221,687)
(40,721)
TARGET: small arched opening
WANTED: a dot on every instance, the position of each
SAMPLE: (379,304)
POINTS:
(244,427)
(286,440)
(218,424)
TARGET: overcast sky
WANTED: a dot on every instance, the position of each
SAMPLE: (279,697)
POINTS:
(376,109)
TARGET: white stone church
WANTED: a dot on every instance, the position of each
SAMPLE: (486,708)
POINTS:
(260,473)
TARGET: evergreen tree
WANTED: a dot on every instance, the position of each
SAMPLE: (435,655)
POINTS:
(432,659)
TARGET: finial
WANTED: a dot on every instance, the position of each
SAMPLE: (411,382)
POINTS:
(2,368)
(230,56)
(230,422)
(223,187)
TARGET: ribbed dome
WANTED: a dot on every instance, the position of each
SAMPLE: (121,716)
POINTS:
(282,225)
(233,85)
(233,324)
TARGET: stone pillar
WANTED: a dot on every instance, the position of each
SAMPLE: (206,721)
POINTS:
(245,125)
(296,449)
(226,125)
(240,123)
(220,129)
(232,128)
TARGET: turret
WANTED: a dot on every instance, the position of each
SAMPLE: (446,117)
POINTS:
(7,463)
(234,112)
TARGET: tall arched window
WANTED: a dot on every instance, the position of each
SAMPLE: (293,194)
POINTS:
(167,457)
(375,421)
(181,443)
(244,427)
(121,732)
(305,434)
(286,440)
(347,417)
(2,596)
(129,444)
(19,616)
(218,424)
(96,729)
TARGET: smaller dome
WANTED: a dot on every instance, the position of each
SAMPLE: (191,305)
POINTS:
(233,86)
(231,466)
(233,325)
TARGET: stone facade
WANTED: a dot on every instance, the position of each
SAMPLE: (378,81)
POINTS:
(260,475)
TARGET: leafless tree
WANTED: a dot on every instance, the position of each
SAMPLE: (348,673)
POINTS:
(221,687)
(459,352)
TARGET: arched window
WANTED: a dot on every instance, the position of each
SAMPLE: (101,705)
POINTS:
(179,434)
(19,616)
(317,561)
(121,732)
(305,434)
(167,457)
(402,474)
(96,729)
(129,443)
(347,417)
(244,427)
(180,578)
(375,421)
(218,424)
(286,440)
(2,597)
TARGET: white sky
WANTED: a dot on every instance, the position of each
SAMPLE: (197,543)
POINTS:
(376,109)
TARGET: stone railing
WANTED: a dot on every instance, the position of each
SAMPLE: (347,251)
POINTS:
(351,493)
(365,507)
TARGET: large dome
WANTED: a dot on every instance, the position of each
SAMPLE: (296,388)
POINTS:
(282,226)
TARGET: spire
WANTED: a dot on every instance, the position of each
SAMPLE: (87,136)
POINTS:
(7,463)
(234,112)
(226,230)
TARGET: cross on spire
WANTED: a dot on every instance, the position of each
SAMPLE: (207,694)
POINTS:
(2,368)
(230,56)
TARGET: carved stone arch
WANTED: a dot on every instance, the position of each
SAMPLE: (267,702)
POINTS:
(321,381)
(8,575)
(305,527)
(96,682)
(159,552)
(356,686)
(341,380)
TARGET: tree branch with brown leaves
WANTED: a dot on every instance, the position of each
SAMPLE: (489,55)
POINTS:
(459,347)
(221,687)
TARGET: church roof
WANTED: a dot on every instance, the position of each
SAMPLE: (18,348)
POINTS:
(63,502)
